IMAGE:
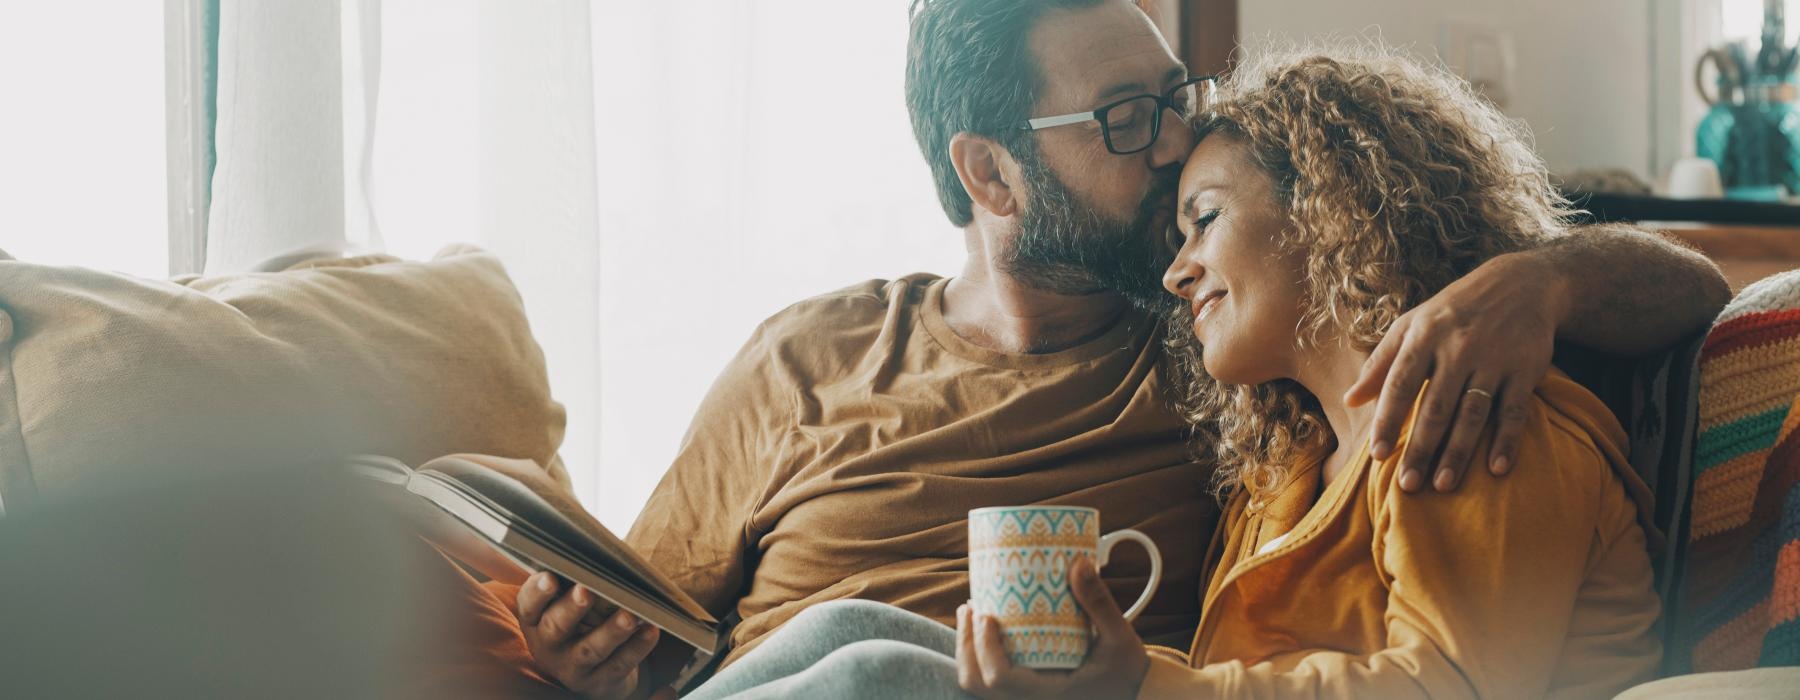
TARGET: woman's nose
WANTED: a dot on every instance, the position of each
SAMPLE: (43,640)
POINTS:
(1182,274)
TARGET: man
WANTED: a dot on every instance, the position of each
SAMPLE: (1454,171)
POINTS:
(838,453)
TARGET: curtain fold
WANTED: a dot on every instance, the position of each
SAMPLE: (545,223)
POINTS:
(294,110)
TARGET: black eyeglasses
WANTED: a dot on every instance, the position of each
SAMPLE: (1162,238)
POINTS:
(1132,124)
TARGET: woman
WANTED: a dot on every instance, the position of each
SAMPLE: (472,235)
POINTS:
(1325,197)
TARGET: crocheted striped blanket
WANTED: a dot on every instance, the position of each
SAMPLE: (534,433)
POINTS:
(1741,583)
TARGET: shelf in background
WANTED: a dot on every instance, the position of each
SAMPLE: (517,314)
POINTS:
(1603,207)
(1744,253)
(1749,240)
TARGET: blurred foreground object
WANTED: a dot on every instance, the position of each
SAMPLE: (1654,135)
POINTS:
(226,583)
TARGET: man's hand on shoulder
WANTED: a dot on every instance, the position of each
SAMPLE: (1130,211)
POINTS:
(1484,343)
(595,655)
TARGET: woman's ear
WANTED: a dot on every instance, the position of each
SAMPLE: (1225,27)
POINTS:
(987,172)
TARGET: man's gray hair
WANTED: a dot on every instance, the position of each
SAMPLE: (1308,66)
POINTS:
(969,69)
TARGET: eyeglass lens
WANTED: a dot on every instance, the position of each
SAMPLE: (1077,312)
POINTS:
(1133,124)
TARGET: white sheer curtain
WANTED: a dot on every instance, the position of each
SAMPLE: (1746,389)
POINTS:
(485,134)
(443,120)
(752,154)
(297,85)
(658,177)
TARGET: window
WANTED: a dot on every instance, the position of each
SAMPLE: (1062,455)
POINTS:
(657,177)
(752,154)
(742,158)
(1743,19)
(82,135)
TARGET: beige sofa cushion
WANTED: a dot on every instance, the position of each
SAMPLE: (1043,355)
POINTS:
(102,372)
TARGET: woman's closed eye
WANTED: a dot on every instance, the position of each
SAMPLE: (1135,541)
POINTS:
(1197,226)
(1206,218)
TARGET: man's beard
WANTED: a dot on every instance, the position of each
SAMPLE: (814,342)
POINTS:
(1066,246)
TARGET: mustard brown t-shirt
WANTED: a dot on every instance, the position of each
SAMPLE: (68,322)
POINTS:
(839,453)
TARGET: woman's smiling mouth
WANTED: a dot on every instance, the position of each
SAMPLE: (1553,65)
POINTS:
(1205,305)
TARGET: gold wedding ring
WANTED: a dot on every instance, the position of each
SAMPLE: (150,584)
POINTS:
(1481,393)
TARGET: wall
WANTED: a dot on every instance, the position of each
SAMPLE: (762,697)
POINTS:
(1167,14)
(1582,70)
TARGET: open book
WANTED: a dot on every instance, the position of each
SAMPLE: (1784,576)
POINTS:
(498,526)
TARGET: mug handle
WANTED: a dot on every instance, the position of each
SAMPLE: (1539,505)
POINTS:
(1106,545)
(1719,60)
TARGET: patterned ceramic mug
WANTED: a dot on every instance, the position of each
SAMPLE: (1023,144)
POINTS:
(1019,560)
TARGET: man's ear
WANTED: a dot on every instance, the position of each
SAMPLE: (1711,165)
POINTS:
(987,172)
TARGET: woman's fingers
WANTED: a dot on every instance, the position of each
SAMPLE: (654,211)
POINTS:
(1096,601)
(982,667)
(990,650)
(1115,642)
(968,665)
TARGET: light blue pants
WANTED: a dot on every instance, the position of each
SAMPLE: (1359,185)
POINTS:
(846,649)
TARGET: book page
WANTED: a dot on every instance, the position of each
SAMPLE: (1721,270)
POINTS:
(530,495)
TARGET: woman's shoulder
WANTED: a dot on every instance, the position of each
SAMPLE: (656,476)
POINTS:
(1563,411)
(1570,496)
(1569,443)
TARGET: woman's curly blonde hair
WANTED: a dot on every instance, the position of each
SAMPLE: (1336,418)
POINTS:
(1396,179)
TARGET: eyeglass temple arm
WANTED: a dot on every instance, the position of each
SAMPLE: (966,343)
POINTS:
(1047,122)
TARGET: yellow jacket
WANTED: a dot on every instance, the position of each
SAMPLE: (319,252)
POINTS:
(1534,585)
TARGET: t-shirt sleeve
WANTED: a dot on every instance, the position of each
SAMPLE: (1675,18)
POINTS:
(696,526)
(1482,586)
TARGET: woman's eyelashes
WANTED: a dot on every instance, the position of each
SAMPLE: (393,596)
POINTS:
(1205,219)
(1177,237)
